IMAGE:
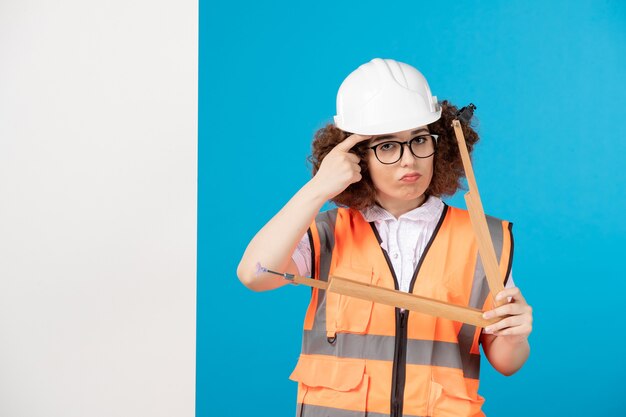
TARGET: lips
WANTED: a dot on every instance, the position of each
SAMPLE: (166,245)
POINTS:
(411,176)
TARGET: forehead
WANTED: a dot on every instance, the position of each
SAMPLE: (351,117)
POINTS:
(399,135)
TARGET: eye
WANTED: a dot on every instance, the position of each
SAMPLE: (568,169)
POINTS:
(419,140)
(387,146)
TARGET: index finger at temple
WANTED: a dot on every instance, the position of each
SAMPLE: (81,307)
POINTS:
(352,140)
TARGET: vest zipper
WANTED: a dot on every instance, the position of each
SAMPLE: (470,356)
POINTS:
(398,378)
(398,373)
(399,364)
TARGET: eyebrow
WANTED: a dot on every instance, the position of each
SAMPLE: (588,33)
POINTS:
(395,137)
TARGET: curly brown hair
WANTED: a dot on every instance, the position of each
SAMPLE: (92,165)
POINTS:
(447,166)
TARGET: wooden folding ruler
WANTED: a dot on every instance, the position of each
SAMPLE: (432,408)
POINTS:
(427,305)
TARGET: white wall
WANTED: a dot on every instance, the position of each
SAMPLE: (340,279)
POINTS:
(98,151)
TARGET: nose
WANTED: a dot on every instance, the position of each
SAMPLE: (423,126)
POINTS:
(407,156)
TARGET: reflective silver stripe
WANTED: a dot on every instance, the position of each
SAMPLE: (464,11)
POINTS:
(466,334)
(325,223)
(308,410)
(349,345)
(437,353)
(480,286)
(497,235)
(480,291)
(376,347)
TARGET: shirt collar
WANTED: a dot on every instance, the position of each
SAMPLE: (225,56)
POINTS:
(428,211)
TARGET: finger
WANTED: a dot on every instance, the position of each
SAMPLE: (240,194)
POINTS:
(353,158)
(523,330)
(513,292)
(350,141)
(505,323)
(511,309)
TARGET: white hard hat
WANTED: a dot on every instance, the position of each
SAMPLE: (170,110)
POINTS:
(385,96)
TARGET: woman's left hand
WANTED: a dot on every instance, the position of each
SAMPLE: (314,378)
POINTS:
(518,326)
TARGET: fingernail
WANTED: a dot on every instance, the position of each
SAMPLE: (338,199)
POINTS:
(485,315)
(487,329)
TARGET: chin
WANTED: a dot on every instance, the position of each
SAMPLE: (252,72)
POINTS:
(413,195)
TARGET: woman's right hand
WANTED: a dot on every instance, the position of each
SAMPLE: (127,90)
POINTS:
(274,244)
(339,168)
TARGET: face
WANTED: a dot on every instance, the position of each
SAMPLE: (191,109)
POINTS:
(400,186)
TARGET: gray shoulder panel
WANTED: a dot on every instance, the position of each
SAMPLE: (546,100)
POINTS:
(495,230)
(325,223)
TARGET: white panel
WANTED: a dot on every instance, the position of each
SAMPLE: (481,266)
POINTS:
(98,179)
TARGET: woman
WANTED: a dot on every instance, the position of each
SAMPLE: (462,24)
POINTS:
(389,157)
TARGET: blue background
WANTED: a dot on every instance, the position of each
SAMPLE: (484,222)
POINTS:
(548,81)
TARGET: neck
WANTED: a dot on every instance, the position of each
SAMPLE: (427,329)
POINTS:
(398,208)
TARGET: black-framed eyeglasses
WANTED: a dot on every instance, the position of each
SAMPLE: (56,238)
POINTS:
(390,152)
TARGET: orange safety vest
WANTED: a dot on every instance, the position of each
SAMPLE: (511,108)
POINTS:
(361,358)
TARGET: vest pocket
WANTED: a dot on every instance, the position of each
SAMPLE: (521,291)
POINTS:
(325,381)
(450,395)
(353,315)
(350,314)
